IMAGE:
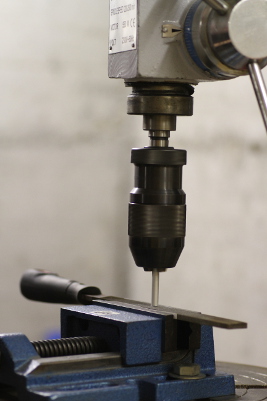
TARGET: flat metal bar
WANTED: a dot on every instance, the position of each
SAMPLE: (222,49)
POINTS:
(179,314)
(259,88)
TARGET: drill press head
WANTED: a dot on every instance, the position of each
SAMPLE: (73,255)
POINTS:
(160,49)
(187,41)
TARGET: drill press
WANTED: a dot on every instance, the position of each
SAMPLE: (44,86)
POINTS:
(117,349)
(161,49)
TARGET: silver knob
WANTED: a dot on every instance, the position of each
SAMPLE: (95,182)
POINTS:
(248,28)
(228,38)
(248,34)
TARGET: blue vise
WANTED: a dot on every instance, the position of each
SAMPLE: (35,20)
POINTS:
(154,354)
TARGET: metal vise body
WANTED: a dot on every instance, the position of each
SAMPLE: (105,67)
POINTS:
(154,355)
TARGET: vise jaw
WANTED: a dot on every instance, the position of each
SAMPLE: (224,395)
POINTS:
(155,354)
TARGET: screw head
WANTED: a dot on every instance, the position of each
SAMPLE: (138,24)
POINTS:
(186,371)
(190,369)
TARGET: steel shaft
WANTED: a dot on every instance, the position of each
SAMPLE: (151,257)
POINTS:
(155,287)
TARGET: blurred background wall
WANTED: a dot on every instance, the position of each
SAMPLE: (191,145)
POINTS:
(65,175)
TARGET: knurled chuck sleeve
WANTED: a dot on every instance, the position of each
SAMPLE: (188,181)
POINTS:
(157,210)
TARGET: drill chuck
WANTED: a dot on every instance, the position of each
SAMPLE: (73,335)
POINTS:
(157,211)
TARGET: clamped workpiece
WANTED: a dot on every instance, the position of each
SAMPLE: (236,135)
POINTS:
(133,352)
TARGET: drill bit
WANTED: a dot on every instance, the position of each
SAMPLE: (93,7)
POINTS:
(155,287)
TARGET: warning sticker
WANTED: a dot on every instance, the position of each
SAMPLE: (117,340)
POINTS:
(123,26)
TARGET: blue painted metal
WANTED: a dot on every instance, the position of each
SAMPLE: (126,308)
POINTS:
(205,356)
(137,336)
(142,375)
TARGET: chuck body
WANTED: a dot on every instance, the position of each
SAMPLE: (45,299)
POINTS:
(157,210)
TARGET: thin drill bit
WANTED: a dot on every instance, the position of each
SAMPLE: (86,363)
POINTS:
(155,287)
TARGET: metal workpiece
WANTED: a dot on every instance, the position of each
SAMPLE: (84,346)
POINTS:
(85,297)
(195,318)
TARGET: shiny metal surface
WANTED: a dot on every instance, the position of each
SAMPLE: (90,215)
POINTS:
(161,100)
(159,127)
(155,288)
(218,5)
(71,363)
(212,45)
(159,122)
(159,139)
(221,44)
(259,89)
(245,376)
(250,381)
(248,28)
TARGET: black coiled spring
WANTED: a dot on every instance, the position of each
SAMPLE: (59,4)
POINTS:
(69,346)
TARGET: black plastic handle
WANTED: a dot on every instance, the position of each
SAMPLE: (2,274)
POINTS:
(44,286)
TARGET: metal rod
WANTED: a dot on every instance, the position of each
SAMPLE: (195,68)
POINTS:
(259,88)
(159,138)
(218,5)
(155,287)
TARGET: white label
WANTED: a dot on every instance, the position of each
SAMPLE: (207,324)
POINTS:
(123,25)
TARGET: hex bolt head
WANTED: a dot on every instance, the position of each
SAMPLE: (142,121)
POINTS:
(190,369)
(186,371)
